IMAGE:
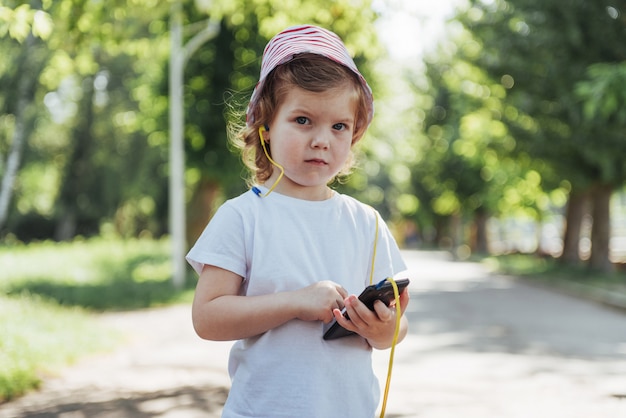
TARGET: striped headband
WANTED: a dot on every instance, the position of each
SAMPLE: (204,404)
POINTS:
(304,39)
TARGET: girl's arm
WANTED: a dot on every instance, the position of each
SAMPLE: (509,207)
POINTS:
(219,313)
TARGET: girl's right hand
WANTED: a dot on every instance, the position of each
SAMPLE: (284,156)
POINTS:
(317,301)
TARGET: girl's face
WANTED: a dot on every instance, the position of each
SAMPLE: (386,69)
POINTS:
(311,136)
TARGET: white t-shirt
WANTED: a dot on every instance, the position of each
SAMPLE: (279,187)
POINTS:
(278,243)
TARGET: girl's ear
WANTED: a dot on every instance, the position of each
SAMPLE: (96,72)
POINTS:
(263,133)
(266,134)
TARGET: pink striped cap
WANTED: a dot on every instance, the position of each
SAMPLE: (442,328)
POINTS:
(304,39)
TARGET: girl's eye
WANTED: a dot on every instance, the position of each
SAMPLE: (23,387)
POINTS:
(339,126)
(301,120)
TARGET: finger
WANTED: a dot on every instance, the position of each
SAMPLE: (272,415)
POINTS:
(343,321)
(342,292)
(384,313)
(337,314)
(404,299)
(358,312)
(330,317)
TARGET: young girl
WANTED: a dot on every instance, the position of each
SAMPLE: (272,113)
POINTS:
(281,260)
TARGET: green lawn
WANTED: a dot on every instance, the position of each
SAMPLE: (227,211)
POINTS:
(550,272)
(39,337)
(50,293)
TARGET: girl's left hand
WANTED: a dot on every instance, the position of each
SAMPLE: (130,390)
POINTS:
(376,326)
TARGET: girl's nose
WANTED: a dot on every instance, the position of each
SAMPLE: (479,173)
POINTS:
(320,139)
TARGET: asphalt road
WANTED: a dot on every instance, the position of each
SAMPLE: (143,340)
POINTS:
(479,346)
(487,346)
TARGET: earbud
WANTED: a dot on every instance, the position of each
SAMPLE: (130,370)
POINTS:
(262,130)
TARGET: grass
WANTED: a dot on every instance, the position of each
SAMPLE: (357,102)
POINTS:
(50,292)
(550,272)
(38,337)
(98,274)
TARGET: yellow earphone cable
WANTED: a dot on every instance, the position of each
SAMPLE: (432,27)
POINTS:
(396,333)
(374,251)
(267,154)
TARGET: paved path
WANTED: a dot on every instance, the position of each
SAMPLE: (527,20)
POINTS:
(479,347)
(483,346)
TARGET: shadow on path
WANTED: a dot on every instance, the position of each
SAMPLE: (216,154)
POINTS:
(182,402)
(504,315)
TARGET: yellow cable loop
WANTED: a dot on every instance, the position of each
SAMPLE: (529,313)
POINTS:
(280,167)
(374,252)
(396,333)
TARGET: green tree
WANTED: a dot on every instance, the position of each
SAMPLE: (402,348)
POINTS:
(471,170)
(114,168)
(26,27)
(542,50)
(603,95)
(95,151)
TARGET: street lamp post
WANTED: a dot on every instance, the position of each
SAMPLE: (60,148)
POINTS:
(179,55)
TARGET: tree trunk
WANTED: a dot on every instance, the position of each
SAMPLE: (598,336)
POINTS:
(201,209)
(25,95)
(78,166)
(441,237)
(479,232)
(456,232)
(576,207)
(601,230)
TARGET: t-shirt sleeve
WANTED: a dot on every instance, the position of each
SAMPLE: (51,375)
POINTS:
(221,244)
(389,260)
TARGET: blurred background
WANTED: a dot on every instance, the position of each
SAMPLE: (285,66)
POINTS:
(499,134)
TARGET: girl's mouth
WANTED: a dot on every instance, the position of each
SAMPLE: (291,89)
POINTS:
(316,161)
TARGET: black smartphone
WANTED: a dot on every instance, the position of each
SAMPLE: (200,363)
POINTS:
(381,291)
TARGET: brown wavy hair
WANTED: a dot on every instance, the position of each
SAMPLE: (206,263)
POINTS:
(310,72)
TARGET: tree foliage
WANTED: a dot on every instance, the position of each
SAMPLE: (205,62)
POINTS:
(94,155)
(527,107)
(544,51)
(473,168)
